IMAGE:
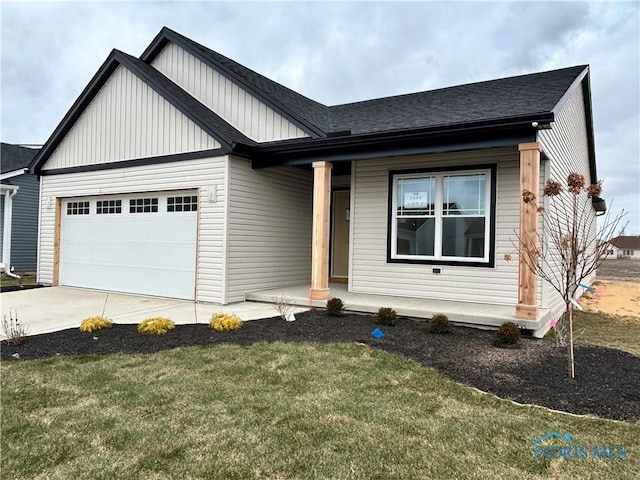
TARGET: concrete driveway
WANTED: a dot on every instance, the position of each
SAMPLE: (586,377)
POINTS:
(48,309)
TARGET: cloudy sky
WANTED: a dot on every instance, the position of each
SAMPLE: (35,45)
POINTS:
(341,52)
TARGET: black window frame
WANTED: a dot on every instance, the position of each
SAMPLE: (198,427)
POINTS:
(78,208)
(144,205)
(490,263)
(109,207)
(182,203)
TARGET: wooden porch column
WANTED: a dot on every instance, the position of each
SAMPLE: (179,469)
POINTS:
(320,238)
(527,308)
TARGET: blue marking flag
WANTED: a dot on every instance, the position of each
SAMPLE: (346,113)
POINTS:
(377,333)
(586,287)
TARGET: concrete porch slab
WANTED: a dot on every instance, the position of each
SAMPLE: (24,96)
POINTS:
(461,313)
(49,309)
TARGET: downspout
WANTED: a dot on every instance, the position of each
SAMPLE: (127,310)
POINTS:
(6,238)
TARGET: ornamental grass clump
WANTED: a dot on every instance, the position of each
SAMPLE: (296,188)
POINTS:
(508,335)
(440,323)
(225,322)
(335,306)
(155,326)
(92,324)
(386,316)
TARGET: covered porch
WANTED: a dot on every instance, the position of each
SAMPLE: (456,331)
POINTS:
(460,313)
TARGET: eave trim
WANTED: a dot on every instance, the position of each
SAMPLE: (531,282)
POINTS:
(175,157)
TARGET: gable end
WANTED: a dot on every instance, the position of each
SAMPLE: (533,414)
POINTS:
(167,36)
(200,121)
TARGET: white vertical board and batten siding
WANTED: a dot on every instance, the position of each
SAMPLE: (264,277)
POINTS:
(370,271)
(235,105)
(270,224)
(199,174)
(127,119)
(567,148)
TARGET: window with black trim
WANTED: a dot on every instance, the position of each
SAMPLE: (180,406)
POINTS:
(105,207)
(182,204)
(77,208)
(143,205)
(442,216)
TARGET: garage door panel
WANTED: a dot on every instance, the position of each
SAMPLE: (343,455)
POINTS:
(144,253)
(175,284)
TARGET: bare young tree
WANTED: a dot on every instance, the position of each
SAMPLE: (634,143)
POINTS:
(569,247)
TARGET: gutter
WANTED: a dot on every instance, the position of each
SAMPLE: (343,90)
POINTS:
(13,173)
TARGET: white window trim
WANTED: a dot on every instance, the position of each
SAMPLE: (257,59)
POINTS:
(438,257)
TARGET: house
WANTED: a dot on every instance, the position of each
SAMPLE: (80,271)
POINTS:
(19,207)
(185,174)
(610,252)
(624,246)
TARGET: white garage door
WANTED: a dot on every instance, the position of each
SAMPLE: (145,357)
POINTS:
(143,244)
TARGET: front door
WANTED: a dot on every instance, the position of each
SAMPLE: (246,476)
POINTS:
(340,234)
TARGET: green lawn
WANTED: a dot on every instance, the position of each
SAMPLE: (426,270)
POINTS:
(279,411)
(28,278)
(609,330)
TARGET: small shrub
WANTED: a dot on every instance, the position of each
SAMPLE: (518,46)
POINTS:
(155,326)
(283,305)
(224,322)
(13,330)
(335,306)
(386,316)
(508,334)
(440,323)
(91,324)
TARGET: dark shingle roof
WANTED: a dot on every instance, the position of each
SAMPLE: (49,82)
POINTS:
(459,114)
(485,101)
(15,157)
(507,98)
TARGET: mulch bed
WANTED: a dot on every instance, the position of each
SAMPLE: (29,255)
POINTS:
(17,288)
(606,382)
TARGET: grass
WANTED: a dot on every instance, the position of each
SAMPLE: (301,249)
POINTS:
(279,411)
(28,278)
(612,331)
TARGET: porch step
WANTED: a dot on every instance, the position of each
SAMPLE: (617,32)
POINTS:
(476,315)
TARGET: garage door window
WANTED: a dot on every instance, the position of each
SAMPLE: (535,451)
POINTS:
(108,207)
(182,204)
(143,205)
(77,208)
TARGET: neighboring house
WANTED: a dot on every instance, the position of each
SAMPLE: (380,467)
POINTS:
(185,174)
(19,207)
(611,252)
(624,246)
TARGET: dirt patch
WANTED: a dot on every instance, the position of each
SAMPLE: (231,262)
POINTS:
(614,298)
(606,382)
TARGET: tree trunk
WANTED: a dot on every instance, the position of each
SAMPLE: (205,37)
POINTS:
(572,368)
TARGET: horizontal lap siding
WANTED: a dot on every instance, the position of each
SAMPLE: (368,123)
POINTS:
(566,146)
(127,119)
(235,105)
(372,274)
(24,229)
(200,174)
(270,220)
